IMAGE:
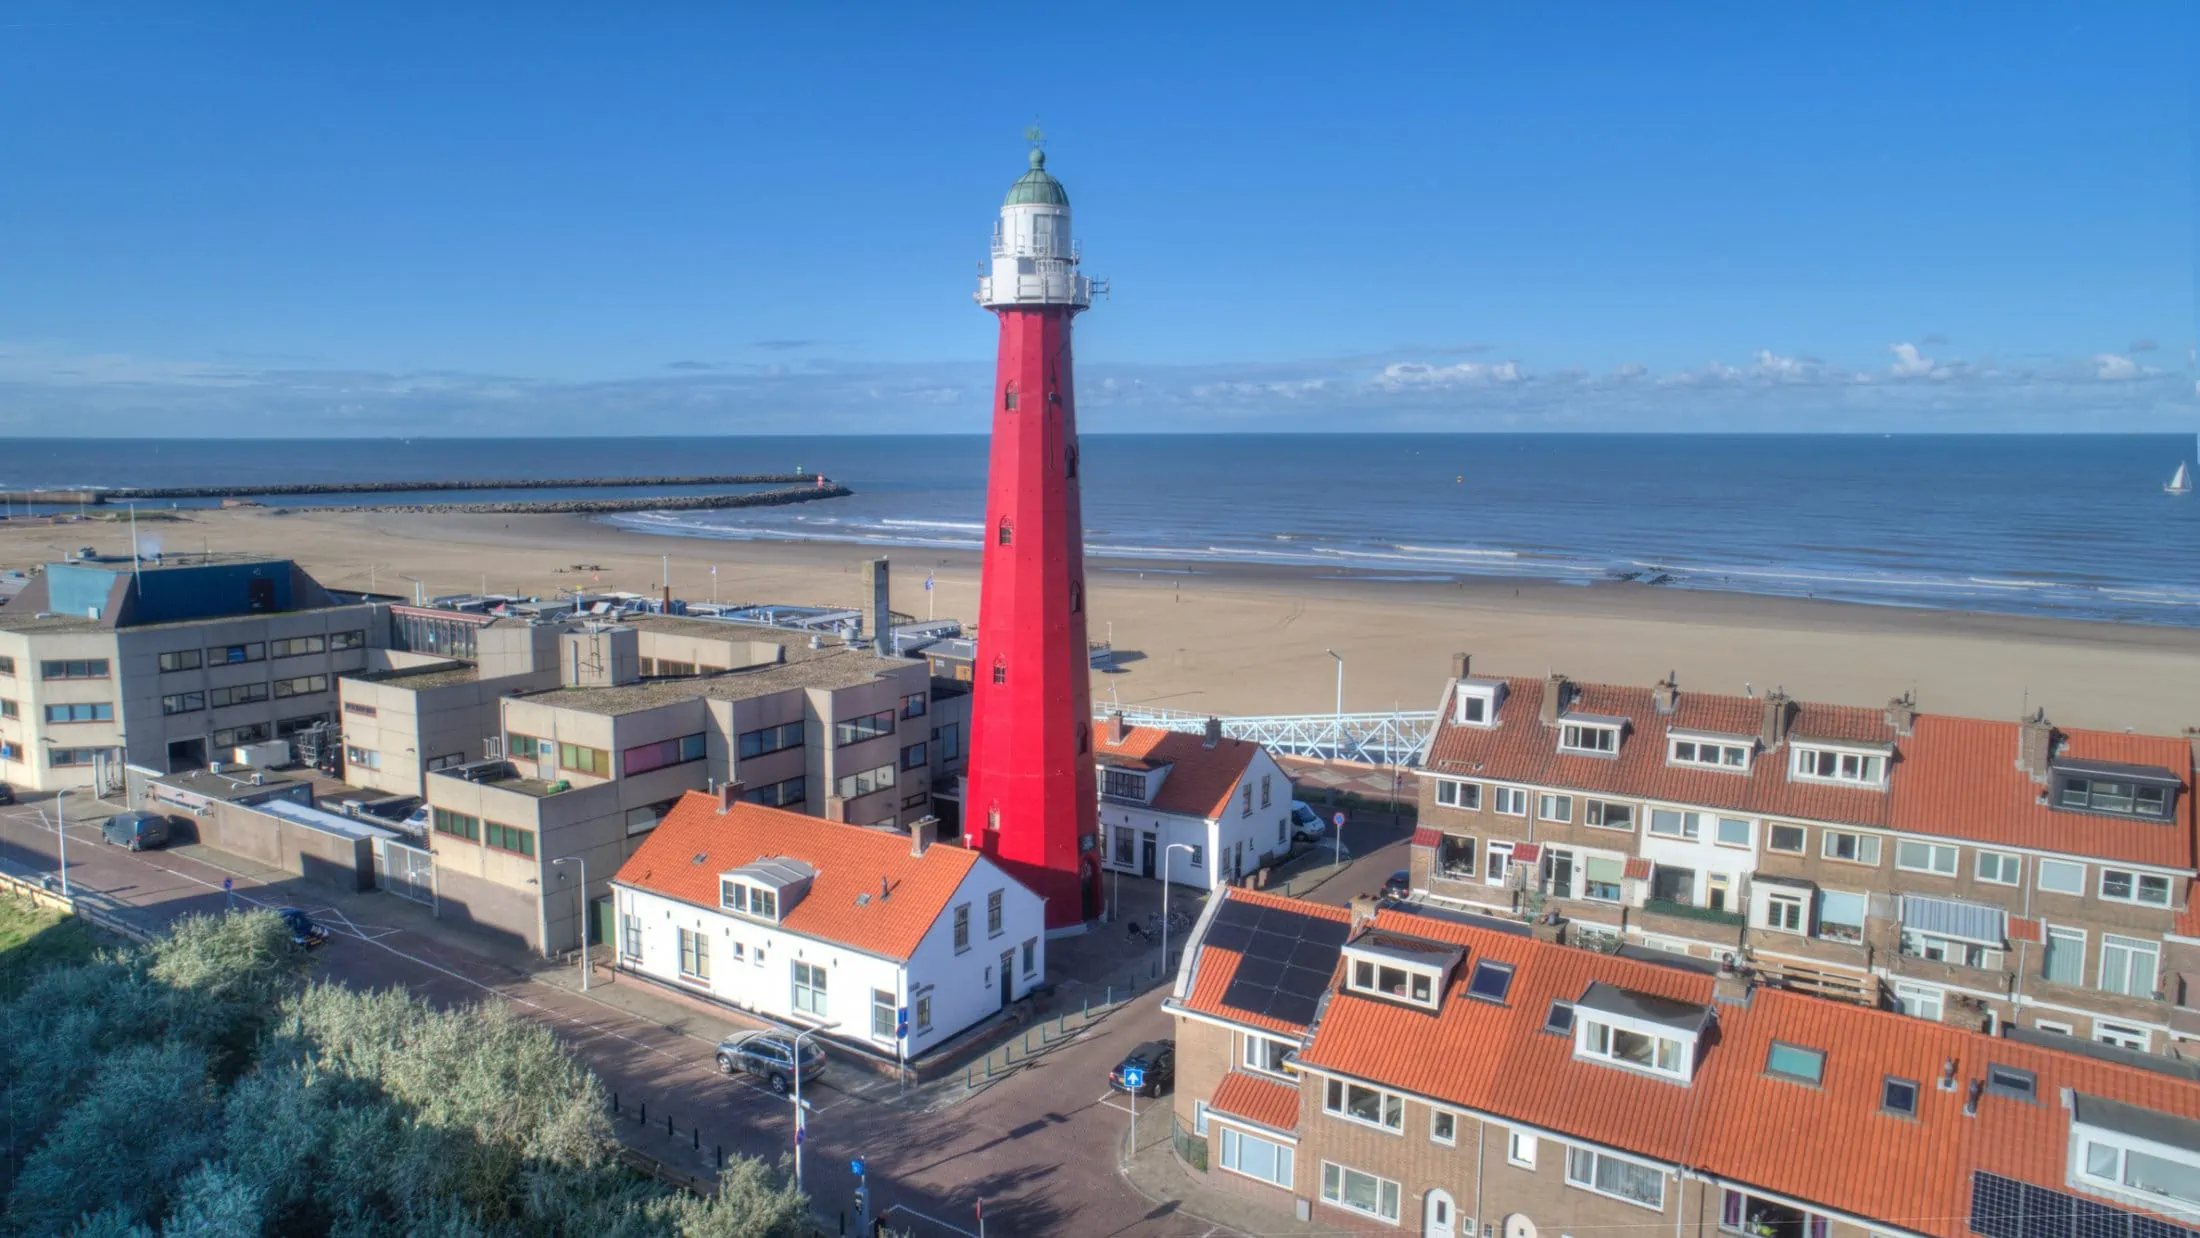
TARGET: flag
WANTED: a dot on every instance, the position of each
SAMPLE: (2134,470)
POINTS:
(928,582)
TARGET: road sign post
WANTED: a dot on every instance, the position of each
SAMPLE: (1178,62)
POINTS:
(1337,844)
(229,891)
(863,1196)
(1134,1079)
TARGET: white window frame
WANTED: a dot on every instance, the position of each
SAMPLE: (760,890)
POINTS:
(1436,1114)
(2084,1139)
(1335,1196)
(1520,1149)
(1249,1054)
(2132,948)
(1570,735)
(2049,1025)
(1589,1183)
(1802,833)
(1587,1025)
(1598,814)
(1512,801)
(1906,993)
(1871,767)
(1797,905)
(1497,861)
(2008,867)
(1718,751)
(2122,1036)
(2137,883)
(1749,832)
(1553,806)
(1465,796)
(1689,827)
(1338,1092)
(1865,843)
(2042,866)
(1286,1158)
(1933,852)
(1199,1117)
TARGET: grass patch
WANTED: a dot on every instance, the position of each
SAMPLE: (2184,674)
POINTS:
(34,938)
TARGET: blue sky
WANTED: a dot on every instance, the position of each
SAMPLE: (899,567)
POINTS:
(262,218)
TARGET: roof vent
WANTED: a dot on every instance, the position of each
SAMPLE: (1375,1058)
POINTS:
(1948,1076)
(700,857)
(1970,1105)
(884,891)
(1667,694)
(863,899)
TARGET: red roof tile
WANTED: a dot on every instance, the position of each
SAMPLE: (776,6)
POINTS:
(1263,1102)
(1829,1145)
(1952,777)
(1427,836)
(1638,868)
(1200,779)
(683,857)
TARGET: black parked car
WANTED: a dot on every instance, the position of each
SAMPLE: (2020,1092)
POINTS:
(1400,884)
(1157,1058)
(7,794)
(304,933)
(135,830)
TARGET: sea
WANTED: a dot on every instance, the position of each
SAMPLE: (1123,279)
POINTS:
(2071,525)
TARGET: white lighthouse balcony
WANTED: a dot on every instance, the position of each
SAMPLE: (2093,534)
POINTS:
(1027,281)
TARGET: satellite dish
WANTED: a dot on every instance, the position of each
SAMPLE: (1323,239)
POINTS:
(1519,1226)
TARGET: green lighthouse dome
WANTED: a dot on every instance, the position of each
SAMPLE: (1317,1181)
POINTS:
(1036,187)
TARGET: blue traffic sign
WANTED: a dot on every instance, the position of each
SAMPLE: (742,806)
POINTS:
(1339,819)
(856,1167)
(229,883)
(1134,1078)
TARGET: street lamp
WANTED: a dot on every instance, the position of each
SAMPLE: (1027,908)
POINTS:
(1336,746)
(1165,899)
(583,892)
(799,1124)
(60,824)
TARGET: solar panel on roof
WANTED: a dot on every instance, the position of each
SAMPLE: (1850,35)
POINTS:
(1288,959)
(2005,1208)
(1229,936)
(1262,972)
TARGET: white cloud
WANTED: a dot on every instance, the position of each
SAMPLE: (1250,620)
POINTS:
(2109,367)
(1412,375)
(1907,362)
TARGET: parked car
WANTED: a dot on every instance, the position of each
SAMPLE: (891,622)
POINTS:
(1157,1058)
(1305,822)
(135,830)
(769,1056)
(1399,885)
(7,794)
(304,933)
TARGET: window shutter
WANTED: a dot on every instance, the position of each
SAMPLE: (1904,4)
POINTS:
(1605,870)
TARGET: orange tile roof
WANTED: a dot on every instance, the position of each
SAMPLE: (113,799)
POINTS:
(683,857)
(1827,1145)
(1959,778)
(1200,779)
(1263,1102)
(1214,968)
(1952,777)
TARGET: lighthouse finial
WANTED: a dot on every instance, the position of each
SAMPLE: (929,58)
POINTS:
(1038,139)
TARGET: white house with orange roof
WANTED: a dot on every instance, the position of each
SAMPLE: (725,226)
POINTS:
(815,923)
(1223,805)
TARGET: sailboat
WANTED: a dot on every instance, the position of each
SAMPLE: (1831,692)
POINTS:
(2181,481)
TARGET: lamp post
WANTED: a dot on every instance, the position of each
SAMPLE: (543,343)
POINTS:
(1336,743)
(60,825)
(1165,902)
(799,1124)
(583,893)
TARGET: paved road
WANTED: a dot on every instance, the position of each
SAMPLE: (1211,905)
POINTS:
(1039,1147)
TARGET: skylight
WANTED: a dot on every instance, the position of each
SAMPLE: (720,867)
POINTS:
(1560,1019)
(1786,1061)
(1491,981)
(1898,1096)
(2011,1082)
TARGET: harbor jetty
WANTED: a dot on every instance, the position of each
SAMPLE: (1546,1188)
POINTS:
(603,507)
(95,495)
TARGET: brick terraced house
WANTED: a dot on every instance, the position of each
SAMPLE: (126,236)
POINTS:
(1408,1067)
(1958,869)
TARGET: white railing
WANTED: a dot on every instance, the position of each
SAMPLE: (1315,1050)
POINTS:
(1376,739)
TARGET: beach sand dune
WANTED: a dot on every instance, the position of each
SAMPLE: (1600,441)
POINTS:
(1250,641)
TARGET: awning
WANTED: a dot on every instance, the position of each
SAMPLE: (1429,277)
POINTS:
(1947,917)
(1603,869)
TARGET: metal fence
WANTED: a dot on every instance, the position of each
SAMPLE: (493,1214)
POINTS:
(1374,739)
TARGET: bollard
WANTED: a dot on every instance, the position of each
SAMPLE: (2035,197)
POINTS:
(643,1118)
(721,1148)
(696,1143)
(1088,1005)
(1110,998)
(668,1126)
(614,1104)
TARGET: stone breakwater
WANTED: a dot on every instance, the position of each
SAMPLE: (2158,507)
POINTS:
(599,507)
(134,494)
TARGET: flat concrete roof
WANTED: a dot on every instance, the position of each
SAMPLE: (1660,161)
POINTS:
(419,678)
(829,669)
(232,785)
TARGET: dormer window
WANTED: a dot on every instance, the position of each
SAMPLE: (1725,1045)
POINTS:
(1123,784)
(1594,738)
(765,890)
(2134,1154)
(1850,766)
(1477,701)
(1638,1031)
(748,900)
(1709,752)
(1399,969)
(2113,789)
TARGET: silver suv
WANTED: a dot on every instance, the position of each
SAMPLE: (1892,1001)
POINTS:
(769,1056)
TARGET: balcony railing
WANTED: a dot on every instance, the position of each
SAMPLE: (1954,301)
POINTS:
(1689,911)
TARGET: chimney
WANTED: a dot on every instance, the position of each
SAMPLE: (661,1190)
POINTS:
(884,891)
(1667,694)
(836,808)
(1363,910)
(2035,744)
(1554,698)
(1118,733)
(882,616)
(729,794)
(1214,732)
(1459,665)
(1779,711)
(2193,733)
(1902,713)
(923,832)
(1730,987)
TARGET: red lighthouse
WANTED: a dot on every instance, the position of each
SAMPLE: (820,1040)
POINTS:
(1029,800)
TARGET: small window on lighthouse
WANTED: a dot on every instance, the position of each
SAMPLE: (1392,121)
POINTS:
(1084,740)
(1008,531)
(993,817)
(1069,461)
(1000,671)
(1008,398)
(1077,597)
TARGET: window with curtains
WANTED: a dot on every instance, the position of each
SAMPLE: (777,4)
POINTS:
(1743,1213)
(2064,959)
(1602,874)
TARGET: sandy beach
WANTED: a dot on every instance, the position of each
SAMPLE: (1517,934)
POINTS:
(1251,641)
